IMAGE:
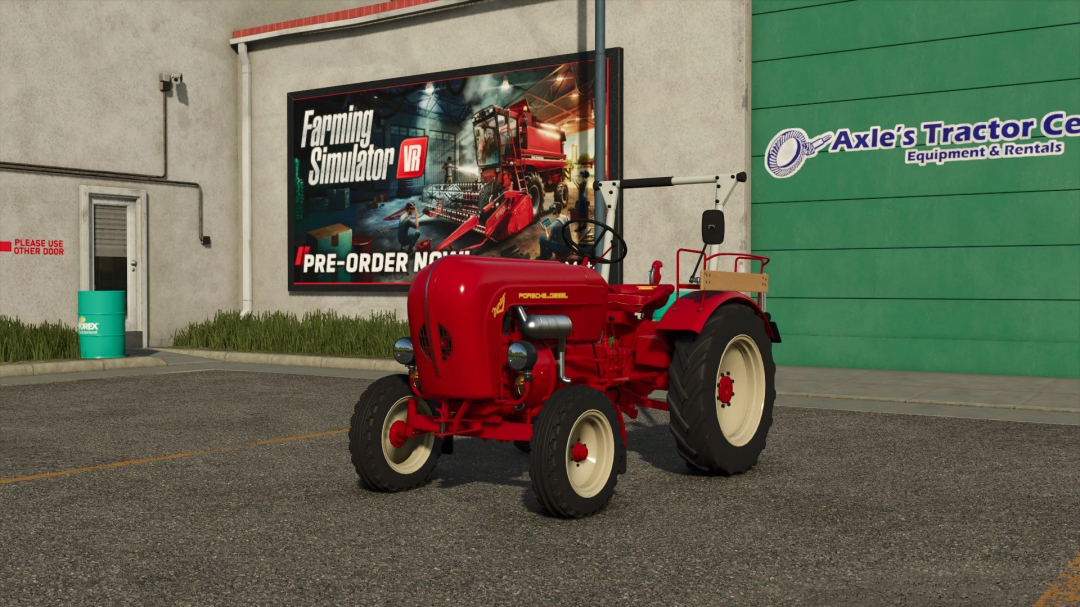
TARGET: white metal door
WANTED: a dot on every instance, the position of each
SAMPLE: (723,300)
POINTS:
(131,321)
(115,253)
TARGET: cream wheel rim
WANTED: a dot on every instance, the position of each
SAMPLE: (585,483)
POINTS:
(741,378)
(589,476)
(416,451)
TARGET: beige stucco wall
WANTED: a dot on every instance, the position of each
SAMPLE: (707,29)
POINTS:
(78,88)
(686,111)
(82,92)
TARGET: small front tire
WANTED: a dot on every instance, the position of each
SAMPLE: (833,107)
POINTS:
(380,464)
(577,452)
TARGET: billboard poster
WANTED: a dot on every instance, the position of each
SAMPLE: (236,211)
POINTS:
(386,177)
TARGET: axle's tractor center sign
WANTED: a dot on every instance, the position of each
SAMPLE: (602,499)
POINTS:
(790,148)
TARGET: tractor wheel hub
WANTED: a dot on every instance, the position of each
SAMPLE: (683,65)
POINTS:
(579,452)
(725,389)
(399,434)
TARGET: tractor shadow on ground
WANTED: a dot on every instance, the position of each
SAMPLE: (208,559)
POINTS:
(494,463)
(477,461)
(649,437)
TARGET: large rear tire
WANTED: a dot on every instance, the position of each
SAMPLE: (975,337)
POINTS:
(721,393)
(380,464)
(577,452)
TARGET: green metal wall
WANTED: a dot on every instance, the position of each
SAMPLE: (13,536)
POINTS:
(968,267)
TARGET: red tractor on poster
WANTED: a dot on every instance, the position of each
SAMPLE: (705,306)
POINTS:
(552,357)
(519,159)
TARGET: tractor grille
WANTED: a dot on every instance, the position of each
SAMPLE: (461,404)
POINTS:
(445,346)
(425,342)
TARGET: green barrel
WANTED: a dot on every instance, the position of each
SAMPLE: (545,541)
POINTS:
(101,324)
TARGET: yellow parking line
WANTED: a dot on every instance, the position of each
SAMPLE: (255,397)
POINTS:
(301,437)
(1066,590)
(161,458)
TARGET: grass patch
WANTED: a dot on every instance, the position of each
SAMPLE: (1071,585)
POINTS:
(323,333)
(20,341)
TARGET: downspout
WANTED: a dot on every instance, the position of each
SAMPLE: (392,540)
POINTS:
(600,133)
(245,174)
(600,111)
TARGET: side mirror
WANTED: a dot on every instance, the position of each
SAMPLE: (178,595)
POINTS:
(712,227)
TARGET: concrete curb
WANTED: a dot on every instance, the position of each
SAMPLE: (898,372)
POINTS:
(388,365)
(78,366)
(294,360)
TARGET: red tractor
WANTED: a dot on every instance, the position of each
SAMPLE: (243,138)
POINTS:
(519,159)
(552,357)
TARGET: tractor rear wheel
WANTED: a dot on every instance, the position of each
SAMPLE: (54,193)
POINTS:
(577,452)
(721,393)
(535,187)
(384,458)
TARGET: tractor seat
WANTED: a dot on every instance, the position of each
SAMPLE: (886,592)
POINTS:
(643,298)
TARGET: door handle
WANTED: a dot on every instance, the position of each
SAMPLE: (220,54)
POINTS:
(133,264)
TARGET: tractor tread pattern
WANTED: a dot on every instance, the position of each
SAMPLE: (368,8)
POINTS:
(546,468)
(691,400)
(365,440)
(533,182)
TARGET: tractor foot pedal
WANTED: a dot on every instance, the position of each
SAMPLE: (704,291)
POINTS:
(448,445)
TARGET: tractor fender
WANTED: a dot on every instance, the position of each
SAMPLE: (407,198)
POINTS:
(689,313)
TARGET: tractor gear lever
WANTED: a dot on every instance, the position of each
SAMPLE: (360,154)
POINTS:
(562,361)
(654,272)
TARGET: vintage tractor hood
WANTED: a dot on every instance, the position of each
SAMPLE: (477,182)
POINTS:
(456,316)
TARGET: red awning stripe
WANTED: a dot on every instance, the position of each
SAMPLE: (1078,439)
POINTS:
(356,13)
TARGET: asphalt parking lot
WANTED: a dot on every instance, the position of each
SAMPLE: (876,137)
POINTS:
(845,508)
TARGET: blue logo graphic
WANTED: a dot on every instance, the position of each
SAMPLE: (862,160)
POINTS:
(789,149)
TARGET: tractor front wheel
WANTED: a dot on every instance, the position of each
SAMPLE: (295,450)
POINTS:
(721,393)
(385,457)
(577,452)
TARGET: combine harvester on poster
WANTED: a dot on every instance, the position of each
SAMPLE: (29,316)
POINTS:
(519,159)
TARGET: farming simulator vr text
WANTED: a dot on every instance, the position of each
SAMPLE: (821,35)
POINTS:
(363,162)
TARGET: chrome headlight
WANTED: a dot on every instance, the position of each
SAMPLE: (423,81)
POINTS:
(403,351)
(521,356)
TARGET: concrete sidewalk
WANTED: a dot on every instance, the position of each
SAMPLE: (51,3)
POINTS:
(1029,399)
(955,389)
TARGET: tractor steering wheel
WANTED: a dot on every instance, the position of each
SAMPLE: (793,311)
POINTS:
(597,238)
